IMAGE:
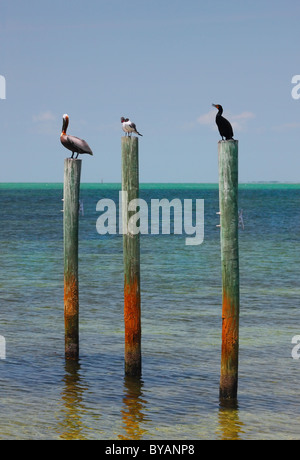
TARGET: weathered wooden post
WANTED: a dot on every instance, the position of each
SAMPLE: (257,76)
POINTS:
(72,172)
(131,255)
(228,198)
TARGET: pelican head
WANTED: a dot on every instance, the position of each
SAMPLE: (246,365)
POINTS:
(65,123)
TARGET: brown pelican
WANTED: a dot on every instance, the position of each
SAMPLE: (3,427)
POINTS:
(128,126)
(71,142)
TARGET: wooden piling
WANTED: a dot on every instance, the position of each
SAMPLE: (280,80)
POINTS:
(72,170)
(228,199)
(131,256)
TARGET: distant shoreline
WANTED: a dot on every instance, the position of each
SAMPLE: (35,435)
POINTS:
(150,185)
(171,183)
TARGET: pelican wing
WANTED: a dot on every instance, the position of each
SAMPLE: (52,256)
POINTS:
(79,145)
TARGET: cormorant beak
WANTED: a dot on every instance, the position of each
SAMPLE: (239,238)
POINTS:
(216,106)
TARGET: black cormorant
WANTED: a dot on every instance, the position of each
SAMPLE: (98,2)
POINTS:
(225,128)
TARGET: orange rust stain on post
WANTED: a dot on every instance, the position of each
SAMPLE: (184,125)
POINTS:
(229,327)
(71,296)
(71,307)
(132,320)
(132,312)
(230,347)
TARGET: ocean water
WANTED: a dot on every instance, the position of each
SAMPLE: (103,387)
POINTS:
(177,398)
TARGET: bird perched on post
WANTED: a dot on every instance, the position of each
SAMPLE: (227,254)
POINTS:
(129,127)
(225,128)
(73,143)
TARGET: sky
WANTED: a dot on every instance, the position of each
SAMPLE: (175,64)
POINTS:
(162,63)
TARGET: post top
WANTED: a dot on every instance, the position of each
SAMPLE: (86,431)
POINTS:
(229,140)
(73,159)
(129,138)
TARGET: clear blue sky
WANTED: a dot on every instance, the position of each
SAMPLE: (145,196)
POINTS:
(162,63)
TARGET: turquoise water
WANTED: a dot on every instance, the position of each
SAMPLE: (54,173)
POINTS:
(44,397)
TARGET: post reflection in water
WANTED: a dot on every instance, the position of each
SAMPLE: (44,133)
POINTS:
(133,410)
(71,426)
(230,426)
